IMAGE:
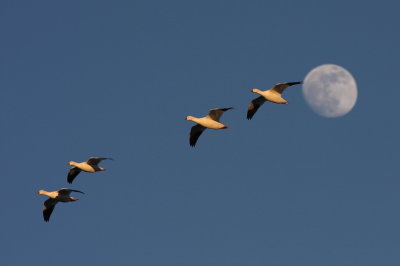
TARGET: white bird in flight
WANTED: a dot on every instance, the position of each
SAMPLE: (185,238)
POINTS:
(61,195)
(89,166)
(209,121)
(272,95)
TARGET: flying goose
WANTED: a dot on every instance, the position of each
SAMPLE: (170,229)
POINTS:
(209,121)
(61,195)
(272,95)
(88,166)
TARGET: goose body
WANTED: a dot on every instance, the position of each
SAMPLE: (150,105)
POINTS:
(207,122)
(84,166)
(89,166)
(62,195)
(273,95)
(210,121)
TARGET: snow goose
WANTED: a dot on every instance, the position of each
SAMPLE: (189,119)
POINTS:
(209,121)
(90,166)
(61,195)
(272,95)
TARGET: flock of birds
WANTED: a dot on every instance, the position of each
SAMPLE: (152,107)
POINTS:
(63,195)
(210,121)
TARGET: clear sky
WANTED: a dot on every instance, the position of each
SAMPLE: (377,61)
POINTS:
(117,78)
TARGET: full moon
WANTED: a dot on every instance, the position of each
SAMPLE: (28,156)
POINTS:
(330,90)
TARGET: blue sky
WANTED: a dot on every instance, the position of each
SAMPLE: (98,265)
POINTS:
(117,78)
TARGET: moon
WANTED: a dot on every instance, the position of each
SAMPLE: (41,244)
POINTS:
(330,90)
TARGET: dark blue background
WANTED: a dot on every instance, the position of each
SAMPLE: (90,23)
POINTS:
(116,79)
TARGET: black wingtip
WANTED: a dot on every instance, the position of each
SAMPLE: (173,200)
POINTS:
(226,109)
(249,116)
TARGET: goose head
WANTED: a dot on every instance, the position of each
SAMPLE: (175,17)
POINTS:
(255,91)
(190,118)
(41,192)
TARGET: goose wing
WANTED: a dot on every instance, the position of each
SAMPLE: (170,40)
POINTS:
(195,133)
(67,191)
(215,114)
(254,105)
(73,172)
(96,160)
(48,208)
(280,87)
